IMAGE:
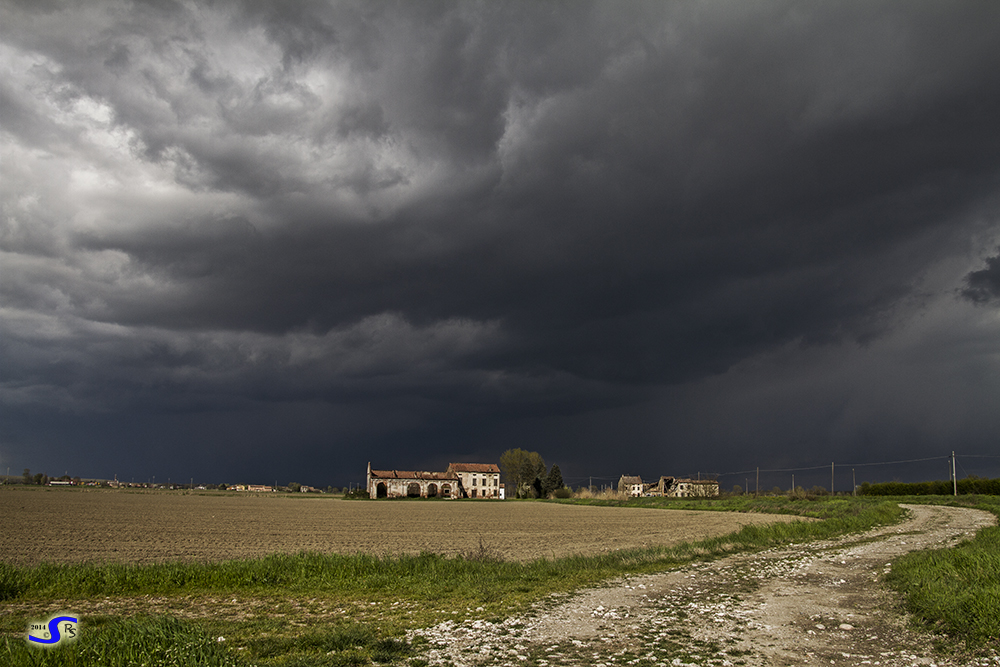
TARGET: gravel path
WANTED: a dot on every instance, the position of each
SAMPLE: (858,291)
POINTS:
(815,604)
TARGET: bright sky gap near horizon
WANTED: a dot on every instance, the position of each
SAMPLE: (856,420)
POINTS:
(274,241)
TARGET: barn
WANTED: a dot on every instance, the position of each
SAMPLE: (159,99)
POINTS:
(461,480)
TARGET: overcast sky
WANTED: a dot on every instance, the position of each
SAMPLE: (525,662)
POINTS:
(273,241)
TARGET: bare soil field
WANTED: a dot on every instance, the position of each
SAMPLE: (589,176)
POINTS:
(91,525)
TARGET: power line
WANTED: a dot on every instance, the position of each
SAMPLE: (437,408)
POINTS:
(825,466)
(886,463)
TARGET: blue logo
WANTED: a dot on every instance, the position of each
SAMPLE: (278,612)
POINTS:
(55,630)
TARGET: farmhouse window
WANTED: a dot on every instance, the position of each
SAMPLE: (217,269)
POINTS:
(473,481)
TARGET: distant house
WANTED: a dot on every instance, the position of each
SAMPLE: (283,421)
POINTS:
(412,484)
(662,487)
(670,487)
(479,480)
(687,488)
(630,485)
(461,480)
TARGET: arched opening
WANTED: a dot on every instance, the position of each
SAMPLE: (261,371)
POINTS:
(413,490)
(446,491)
(380,490)
(432,491)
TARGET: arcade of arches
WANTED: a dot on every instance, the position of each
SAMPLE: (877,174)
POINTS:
(461,480)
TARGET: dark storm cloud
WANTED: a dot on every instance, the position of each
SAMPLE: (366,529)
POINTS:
(483,213)
(983,286)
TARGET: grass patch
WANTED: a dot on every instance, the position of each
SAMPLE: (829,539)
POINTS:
(816,507)
(956,590)
(162,641)
(165,641)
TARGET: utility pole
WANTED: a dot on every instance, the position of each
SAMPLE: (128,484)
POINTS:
(954,475)
(854,480)
(831,478)
(757,492)
(793,481)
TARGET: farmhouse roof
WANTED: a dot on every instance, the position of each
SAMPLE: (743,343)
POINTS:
(412,474)
(473,467)
(630,479)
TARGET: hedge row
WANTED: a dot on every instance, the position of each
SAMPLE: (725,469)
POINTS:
(967,486)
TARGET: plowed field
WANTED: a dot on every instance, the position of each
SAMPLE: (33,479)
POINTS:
(77,525)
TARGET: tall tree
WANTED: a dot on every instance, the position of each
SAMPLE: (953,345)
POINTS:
(520,468)
(552,482)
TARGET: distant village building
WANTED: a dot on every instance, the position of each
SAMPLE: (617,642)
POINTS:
(461,480)
(662,487)
(631,485)
(479,480)
(669,487)
(674,487)
(694,488)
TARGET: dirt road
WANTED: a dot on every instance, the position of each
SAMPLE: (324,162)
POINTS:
(817,604)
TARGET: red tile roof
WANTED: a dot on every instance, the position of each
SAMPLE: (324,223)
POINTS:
(473,467)
(412,474)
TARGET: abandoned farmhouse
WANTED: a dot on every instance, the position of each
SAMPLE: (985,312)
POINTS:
(670,487)
(460,480)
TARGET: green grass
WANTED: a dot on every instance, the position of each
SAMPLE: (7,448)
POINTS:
(378,598)
(817,507)
(956,590)
(162,641)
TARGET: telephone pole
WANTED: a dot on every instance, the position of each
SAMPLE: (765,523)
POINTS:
(954,476)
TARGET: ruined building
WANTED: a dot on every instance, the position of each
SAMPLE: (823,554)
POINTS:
(461,480)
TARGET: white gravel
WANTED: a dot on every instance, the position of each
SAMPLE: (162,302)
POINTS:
(816,604)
